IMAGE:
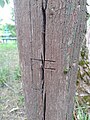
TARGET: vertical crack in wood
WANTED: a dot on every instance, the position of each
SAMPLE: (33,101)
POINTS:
(44,7)
(42,77)
(44,109)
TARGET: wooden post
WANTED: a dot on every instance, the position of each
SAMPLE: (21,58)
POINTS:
(50,33)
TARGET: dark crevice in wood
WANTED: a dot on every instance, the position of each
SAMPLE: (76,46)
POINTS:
(44,109)
(44,7)
(42,77)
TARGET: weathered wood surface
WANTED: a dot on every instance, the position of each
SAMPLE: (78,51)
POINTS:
(50,33)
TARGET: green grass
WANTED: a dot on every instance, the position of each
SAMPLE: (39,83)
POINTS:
(10,45)
(11,95)
(80,111)
(9,62)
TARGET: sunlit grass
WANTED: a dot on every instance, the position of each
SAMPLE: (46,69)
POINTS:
(9,62)
(9,45)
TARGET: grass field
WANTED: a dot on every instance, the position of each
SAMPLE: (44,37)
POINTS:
(11,93)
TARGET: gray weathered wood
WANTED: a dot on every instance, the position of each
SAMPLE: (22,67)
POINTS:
(50,33)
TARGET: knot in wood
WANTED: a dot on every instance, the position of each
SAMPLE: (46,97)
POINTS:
(51,12)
